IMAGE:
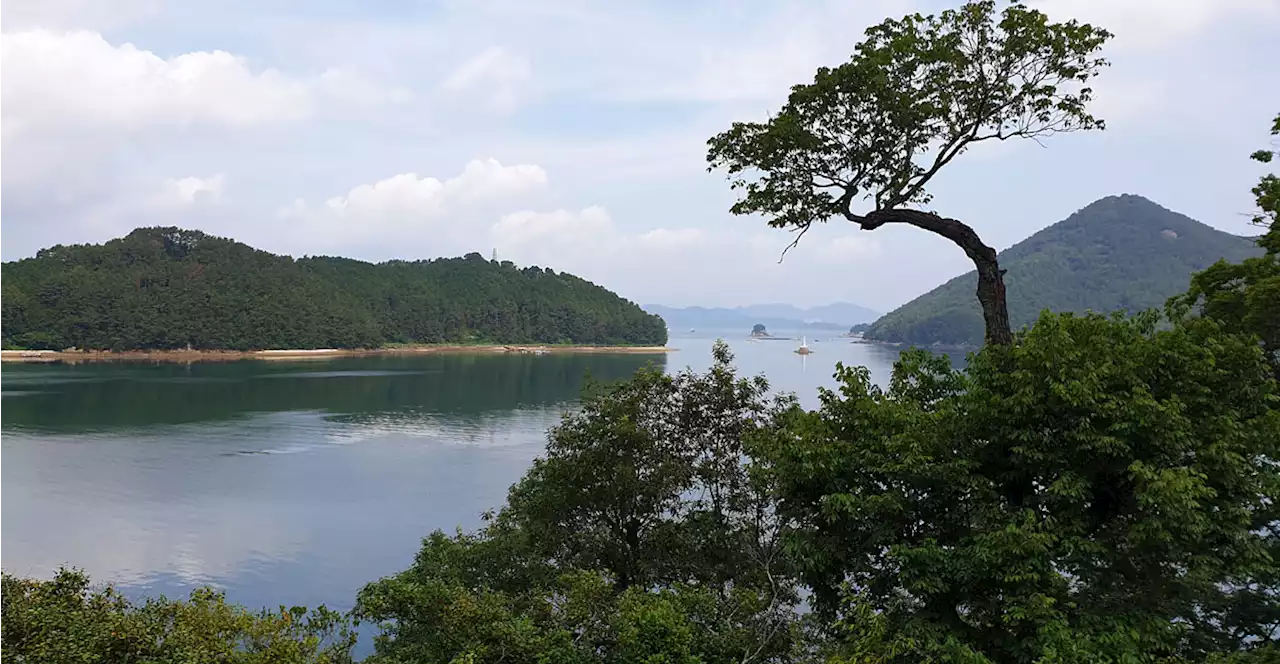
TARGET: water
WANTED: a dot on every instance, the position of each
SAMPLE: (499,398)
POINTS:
(297,482)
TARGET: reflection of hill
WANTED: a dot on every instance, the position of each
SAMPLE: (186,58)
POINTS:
(94,396)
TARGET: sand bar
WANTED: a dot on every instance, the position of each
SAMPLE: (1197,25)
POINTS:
(73,356)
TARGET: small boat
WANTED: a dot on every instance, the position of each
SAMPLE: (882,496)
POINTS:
(804,347)
(691,330)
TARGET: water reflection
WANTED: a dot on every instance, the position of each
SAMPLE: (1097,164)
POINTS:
(111,396)
(281,482)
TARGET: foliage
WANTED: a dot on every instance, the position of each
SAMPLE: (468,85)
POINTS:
(639,537)
(1121,253)
(1099,491)
(859,328)
(916,93)
(1245,296)
(65,620)
(168,288)
(759,330)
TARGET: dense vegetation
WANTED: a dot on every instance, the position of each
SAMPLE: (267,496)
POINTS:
(1121,253)
(166,288)
(66,620)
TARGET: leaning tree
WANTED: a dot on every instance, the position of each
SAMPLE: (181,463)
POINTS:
(917,92)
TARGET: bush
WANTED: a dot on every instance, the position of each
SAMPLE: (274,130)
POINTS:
(66,620)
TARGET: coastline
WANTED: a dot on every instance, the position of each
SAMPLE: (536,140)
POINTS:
(935,346)
(188,356)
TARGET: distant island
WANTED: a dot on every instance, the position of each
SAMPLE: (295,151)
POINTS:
(758,330)
(831,317)
(1118,253)
(174,289)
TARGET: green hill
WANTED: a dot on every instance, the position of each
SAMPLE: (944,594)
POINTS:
(164,288)
(1121,252)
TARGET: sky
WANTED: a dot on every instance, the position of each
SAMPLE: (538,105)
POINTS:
(569,134)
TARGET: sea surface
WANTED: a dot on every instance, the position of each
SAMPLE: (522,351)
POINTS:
(296,482)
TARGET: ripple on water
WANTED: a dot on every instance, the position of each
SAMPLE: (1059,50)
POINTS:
(342,374)
(23,393)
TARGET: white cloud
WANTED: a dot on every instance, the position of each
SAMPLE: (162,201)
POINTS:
(407,213)
(673,239)
(496,78)
(414,194)
(190,190)
(554,230)
(83,119)
(54,82)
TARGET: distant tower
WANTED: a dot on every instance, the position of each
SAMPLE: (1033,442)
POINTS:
(495,254)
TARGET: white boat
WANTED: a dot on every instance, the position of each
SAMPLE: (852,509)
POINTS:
(804,347)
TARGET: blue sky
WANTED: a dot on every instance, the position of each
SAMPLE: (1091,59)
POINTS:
(568,133)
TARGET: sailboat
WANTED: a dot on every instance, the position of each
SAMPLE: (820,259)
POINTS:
(804,347)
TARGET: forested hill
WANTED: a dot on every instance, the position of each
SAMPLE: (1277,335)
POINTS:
(1121,252)
(161,288)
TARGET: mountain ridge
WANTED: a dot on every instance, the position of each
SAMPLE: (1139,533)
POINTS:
(169,288)
(1121,252)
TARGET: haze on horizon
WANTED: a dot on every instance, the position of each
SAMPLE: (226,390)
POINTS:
(569,134)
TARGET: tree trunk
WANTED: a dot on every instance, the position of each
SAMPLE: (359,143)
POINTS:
(995,310)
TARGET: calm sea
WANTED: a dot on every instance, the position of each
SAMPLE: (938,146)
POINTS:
(297,482)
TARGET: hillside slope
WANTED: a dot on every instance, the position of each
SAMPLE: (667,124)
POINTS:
(1118,253)
(161,288)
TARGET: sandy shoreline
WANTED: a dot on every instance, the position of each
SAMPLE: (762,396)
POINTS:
(304,354)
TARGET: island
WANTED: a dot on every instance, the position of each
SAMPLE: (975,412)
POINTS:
(161,292)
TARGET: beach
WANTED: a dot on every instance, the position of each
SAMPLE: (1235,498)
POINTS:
(184,355)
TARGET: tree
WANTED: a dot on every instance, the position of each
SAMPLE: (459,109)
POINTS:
(917,93)
(66,620)
(168,288)
(1100,491)
(1245,296)
(758,330)
(640,536)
